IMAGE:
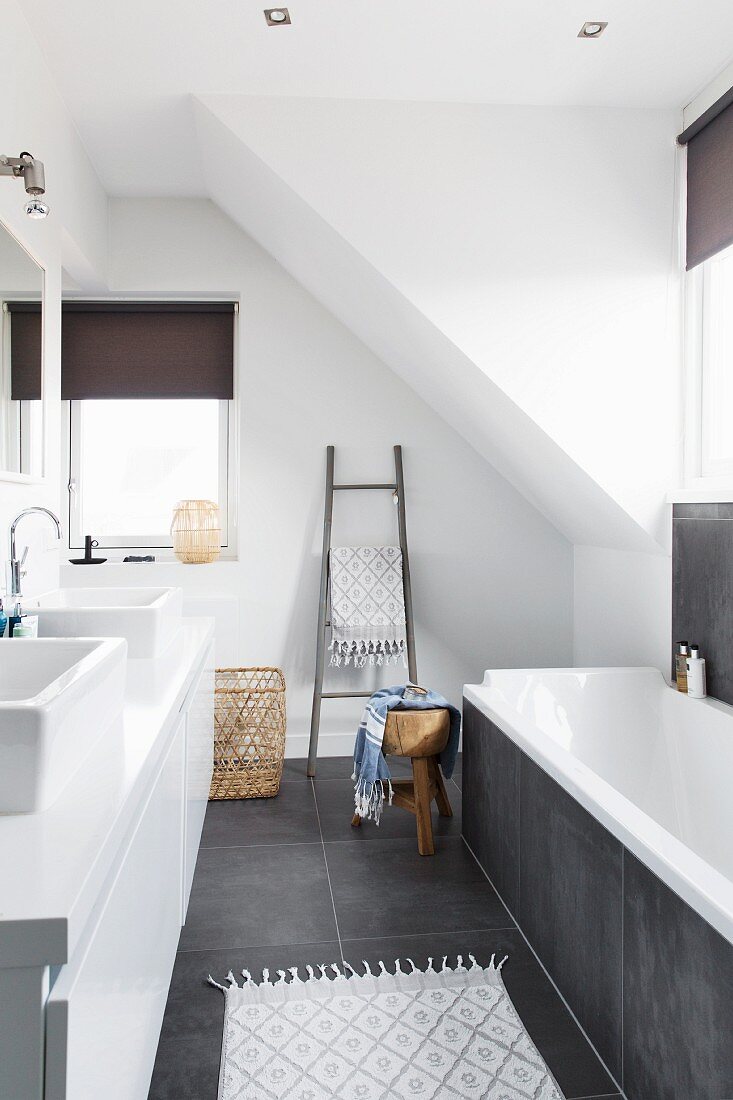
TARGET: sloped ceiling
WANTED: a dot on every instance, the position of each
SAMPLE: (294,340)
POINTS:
(525,334)
(125,69)
(515,264)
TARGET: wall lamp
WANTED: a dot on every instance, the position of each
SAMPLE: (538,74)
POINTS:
(30,170)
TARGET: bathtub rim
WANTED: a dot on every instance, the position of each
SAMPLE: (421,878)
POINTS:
(703,887)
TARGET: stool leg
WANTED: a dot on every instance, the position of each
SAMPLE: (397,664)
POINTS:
(441,798)
(421,778)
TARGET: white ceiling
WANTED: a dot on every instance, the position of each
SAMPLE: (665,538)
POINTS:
(126,70)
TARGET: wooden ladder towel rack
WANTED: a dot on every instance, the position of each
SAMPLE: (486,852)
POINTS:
(324,618)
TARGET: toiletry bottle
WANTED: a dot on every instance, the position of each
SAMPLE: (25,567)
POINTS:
(681,665)
(14,619)
(696,687)
(30,622)
(21,631)
(3,620)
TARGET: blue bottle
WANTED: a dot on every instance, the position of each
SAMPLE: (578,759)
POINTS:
(3,620)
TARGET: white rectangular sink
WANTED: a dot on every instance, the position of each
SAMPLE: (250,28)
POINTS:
(57,698)
(148,618)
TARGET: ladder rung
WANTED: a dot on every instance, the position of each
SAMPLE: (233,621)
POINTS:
(347,694)
(374,485)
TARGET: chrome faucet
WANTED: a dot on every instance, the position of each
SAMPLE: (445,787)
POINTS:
(15,571)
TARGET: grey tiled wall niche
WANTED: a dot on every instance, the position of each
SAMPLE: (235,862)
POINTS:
(650,981)
(702,588)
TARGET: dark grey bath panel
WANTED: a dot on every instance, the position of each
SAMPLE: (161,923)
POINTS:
(648,979)
(678,995)
(491,802)
(570,904)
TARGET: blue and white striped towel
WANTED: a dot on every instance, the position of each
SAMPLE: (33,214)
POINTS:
(370,765)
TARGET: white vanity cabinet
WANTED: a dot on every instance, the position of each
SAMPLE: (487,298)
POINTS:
(111,865)
(104,1011)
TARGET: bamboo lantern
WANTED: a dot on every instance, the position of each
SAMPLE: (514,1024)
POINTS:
(196,531)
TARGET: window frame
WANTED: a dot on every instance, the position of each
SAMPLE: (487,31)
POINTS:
(699,471)
(157,540)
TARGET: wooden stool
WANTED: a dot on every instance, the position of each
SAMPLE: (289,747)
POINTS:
(422,735)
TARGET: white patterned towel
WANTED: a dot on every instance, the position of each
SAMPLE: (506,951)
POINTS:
(367,605)
(418,1035)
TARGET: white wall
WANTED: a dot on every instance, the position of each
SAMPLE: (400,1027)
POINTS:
(622,608)
(539,240)
(492,579)
(542,244)
(708,95)
(34,117)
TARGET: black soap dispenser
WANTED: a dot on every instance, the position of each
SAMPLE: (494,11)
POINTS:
(88,559)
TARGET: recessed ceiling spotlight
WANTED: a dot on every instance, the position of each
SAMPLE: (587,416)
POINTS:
(594,29)
(277,17)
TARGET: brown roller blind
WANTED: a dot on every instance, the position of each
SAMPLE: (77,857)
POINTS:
(709,182)
(26,354)
(125,350)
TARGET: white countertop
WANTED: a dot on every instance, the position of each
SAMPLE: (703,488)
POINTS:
(53,864)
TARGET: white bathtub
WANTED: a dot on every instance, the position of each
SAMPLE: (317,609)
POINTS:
(652,765)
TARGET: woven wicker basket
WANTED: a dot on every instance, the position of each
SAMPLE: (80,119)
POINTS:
(249,734)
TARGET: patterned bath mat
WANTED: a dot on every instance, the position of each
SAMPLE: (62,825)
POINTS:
(428,1035)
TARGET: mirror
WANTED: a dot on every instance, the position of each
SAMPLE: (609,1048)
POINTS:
(21,361)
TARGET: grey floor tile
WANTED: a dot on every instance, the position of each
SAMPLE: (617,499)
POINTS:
(551,1027)
(196,1008)
(258,897)
(336,767)
(252,895)
(294,771)
(289,817)
(186,1069)
(336,809)
(387,888)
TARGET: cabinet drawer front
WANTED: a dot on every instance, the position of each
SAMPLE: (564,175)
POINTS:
(105,1010)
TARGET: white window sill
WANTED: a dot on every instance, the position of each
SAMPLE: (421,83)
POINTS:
(712,495)
(115,563)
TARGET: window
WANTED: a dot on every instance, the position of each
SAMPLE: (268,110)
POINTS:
(150,392)
(21,373)
(708,140)
(717,365)
(132,460)
(709,430)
